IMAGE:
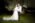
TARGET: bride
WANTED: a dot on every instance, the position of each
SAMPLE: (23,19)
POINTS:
(17,8)
(15,15)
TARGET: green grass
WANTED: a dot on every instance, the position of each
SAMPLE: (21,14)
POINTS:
(23,19)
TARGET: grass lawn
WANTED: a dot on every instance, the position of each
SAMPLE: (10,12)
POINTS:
(23,19)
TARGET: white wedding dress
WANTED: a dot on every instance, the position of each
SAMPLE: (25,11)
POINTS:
(15,15)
